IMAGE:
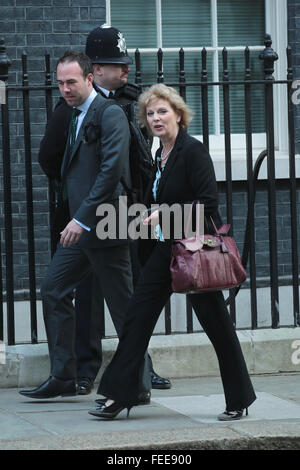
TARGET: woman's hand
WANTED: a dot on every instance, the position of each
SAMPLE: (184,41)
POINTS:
(153,219)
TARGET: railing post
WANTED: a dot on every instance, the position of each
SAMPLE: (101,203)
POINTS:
(182,88)
(51,184)
(138,77)
(228,165)
(48,83)
(189,315)
(2,101)
(29,202)
(250,188)
(4,66)
(293,189)
(269,56)
(204,97)
(160,74)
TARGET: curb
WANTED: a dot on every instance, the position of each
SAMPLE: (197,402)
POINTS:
(176,356)
(156,442)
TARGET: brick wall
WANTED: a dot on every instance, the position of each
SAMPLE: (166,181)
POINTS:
(37,26)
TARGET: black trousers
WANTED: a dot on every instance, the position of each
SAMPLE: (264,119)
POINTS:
(89,308)
(69,267)
(120,378)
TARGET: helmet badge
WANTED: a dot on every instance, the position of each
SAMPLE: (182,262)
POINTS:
(121,43)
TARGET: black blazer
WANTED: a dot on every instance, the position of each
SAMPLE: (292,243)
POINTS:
(53,145)
(187,177)
(92,176)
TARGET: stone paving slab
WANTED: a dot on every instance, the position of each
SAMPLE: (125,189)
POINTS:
(205,409)
(183,417)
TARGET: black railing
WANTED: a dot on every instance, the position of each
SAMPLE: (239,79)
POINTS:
(268,56)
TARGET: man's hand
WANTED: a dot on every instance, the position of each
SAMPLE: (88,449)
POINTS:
(71,234)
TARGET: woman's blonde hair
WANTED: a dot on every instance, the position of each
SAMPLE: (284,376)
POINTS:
(161,91)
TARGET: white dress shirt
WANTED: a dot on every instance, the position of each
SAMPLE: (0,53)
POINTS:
(105,91)
(84,107)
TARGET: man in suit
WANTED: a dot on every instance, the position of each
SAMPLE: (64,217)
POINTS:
(106,48)
(90,177)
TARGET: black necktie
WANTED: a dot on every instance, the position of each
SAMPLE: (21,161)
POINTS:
(74,120)
(73,127)
(111,95)
(72,134)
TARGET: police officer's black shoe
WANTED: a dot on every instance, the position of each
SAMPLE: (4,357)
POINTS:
(159,382)
(84,386)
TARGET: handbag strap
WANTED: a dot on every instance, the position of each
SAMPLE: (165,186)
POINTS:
(189,221)
(213,224)
(223,230)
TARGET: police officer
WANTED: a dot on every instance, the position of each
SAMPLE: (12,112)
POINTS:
(106,48)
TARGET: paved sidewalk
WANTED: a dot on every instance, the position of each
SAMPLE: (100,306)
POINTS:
(181,418)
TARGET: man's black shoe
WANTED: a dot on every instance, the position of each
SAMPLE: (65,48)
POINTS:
(52,388)
(144,399)
(84,386)
(159,382)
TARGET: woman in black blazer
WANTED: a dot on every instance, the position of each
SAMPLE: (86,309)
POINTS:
(185,174)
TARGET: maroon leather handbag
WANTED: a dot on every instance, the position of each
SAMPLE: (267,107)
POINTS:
(205,263)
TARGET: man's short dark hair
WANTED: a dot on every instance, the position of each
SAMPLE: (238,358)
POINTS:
(82,59)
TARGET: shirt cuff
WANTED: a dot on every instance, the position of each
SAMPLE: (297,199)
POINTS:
(82,225)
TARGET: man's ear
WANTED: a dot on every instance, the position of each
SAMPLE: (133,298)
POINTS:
(97,69)
(90,78)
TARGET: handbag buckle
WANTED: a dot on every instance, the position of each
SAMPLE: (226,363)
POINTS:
(210,242)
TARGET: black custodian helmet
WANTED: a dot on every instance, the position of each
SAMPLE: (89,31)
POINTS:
(107,45)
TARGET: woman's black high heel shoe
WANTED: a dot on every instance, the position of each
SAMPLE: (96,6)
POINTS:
(232,415)
(110,411)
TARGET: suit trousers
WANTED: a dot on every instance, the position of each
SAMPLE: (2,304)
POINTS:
(120,379)
(69,266)
(89,308)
